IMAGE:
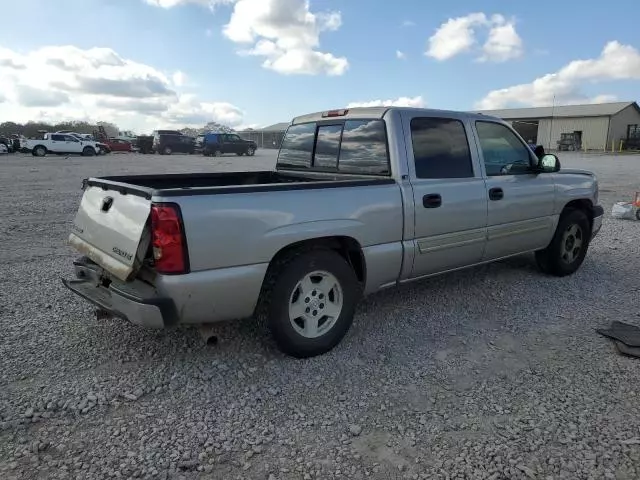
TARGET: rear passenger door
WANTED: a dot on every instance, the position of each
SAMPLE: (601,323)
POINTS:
(449,194)
(521,203)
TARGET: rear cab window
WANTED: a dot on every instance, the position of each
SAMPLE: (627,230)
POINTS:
(341,146)
(440,148)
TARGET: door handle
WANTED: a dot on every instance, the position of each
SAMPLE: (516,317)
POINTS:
(496,193)
(432,200)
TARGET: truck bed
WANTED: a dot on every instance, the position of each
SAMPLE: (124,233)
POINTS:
(182,184)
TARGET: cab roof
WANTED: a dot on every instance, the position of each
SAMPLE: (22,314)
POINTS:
(379,112)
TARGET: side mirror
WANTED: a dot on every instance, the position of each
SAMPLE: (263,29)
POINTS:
(549,163)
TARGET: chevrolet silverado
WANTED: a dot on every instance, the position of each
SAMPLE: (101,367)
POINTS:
(360,200)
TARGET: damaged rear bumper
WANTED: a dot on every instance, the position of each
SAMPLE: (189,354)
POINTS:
(135,301)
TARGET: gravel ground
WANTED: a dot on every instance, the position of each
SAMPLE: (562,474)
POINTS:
(490,373)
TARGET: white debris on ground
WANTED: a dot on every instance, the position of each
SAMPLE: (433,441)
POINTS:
(495,372)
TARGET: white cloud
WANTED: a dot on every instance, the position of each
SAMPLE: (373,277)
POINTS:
(616,62)
(57,83)
(283,32)
(503,42)
(401,55)
(458,35)
(179,78)
(287,34)
(604,98)
(174,3)
(398,102)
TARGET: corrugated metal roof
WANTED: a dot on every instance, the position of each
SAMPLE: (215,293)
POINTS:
(588,110)
(276,127)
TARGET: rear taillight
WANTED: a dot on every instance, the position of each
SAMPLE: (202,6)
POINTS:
(169,247)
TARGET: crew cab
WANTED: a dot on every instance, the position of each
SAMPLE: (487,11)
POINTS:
(216,144)
(61,143)
(360,200)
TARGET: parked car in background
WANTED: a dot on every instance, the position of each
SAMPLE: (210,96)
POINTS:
(216,144)
(61,144)
(3,149)
(360,200)
(175,142)
(118,145)
(143,144)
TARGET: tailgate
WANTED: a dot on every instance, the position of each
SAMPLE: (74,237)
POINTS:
(110,229)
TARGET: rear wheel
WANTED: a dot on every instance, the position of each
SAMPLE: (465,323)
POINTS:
(167,150)
(569,245)
(310,302)
(39,151)
(216,153)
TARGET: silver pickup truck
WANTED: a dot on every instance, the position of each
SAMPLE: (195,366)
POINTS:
(360,200)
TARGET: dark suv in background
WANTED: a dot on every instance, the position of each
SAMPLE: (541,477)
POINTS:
(214,144)
(166,142)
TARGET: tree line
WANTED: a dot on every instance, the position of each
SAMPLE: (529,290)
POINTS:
(32,129)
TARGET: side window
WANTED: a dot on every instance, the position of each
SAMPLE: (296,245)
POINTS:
(327,146)
(71,138)
(364,148)
(58,138)
(440,148)
(297,146)
(501,149)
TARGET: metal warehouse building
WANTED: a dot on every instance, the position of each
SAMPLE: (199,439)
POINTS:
(595,126)
(267,137)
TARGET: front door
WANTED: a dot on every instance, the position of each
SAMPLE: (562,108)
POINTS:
(521,203)
(449,195)
(235,144)
(58,143)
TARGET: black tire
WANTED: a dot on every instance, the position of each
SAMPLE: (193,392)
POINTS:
(251,151)
(280,286)
(88,152)
(554,260)
(638,214)
(240,154)
(167,150)
(39,151)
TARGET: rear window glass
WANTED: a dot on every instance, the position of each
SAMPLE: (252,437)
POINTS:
(297,146)
(327,146)
(364,148)
(353,146)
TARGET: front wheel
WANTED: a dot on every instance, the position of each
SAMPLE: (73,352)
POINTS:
(167,151)
(88,152)
(568,248)
(311,302)
(251,151)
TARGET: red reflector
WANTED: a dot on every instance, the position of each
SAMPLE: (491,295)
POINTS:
(336,113)
(167,239)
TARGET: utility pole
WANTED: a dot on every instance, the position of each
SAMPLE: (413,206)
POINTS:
(553,108)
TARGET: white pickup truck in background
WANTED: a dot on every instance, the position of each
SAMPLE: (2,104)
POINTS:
(61,143)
